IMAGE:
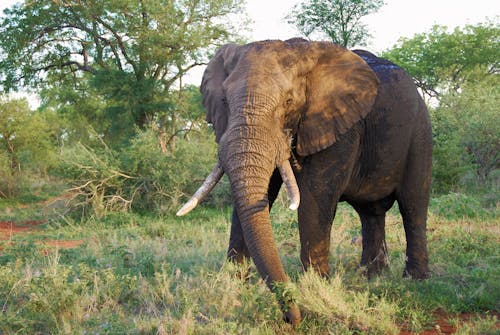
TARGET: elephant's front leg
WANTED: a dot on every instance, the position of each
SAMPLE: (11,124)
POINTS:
(315,223)
(237,251)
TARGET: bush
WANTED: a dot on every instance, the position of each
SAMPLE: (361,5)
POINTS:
(466,135)
(162,181)
(450,161)
(140,176)
(28,146)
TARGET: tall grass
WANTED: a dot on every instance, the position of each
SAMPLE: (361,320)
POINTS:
(165,275)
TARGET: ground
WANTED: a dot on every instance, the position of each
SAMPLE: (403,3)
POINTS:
(123,245)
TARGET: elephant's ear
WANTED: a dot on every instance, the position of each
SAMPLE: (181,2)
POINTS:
(341,89)
(213,98)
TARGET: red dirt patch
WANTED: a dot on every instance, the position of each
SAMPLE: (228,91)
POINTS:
(61,244)
(9,228)
(442,325)
(64,243)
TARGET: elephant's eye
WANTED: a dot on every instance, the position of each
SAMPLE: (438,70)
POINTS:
(288,102)
(224,100)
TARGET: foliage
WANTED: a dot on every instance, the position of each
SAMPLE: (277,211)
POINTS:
(98,183)
(82,111)
(455,206)
(28,142)
(130,52)
(140,176)
(478,122)
(466,131)
(450,161)
(441,61)
(339,20)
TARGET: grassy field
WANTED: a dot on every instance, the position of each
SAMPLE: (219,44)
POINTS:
(132,274)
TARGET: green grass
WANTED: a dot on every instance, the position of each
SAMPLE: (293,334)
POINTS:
(166,275)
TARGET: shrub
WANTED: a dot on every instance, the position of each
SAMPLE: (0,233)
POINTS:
(466,135)
(140,176)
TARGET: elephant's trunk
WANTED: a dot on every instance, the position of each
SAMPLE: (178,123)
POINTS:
(249,157)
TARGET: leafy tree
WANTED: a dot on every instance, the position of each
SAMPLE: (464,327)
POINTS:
(478,122)
(450,161)
(441,61)
(27,142)
(340,20)
(82,112)
(130,52)
(466,132)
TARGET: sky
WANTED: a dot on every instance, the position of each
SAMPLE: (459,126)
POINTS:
(397,18)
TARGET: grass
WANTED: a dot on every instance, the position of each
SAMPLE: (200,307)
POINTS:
(165,275)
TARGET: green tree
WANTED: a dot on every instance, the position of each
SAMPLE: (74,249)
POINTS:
(130,52)
(477,121)
(340,20)
(450,161)
(466,132)
(28,142)
(441,61)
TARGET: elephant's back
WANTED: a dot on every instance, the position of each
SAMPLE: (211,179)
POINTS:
(387,132)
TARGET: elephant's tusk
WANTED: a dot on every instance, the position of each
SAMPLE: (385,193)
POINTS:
(290,183)
(207,186)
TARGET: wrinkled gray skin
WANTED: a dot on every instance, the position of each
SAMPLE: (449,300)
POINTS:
(354,128)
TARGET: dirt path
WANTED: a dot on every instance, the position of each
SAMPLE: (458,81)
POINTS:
(8,229)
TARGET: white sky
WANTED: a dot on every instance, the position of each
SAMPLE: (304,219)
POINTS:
(397,18)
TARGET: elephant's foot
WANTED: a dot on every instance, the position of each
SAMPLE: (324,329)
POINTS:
(416,271)
(374,262)
(319,264)
(242,261)
(375,266)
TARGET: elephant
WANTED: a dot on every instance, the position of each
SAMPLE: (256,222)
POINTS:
(331,125)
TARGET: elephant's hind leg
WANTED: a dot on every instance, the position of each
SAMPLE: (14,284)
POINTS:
(413,200)
(372,215)
(414,213)
(374,255)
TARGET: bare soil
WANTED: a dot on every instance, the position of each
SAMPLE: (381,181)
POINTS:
(8,229)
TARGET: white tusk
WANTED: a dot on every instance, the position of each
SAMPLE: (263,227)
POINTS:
(207,186)
(291,184)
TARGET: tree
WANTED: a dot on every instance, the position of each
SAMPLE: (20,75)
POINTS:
(340,20)
(441,61)
(466,133)
(27,142)
(478,122)
(131,52)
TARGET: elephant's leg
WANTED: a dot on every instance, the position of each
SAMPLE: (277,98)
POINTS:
(372,215)
(413,200)
(374,255)
(238,251)
(315,223)
(414,213)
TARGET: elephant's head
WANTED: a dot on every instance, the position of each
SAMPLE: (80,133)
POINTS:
(261,95)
